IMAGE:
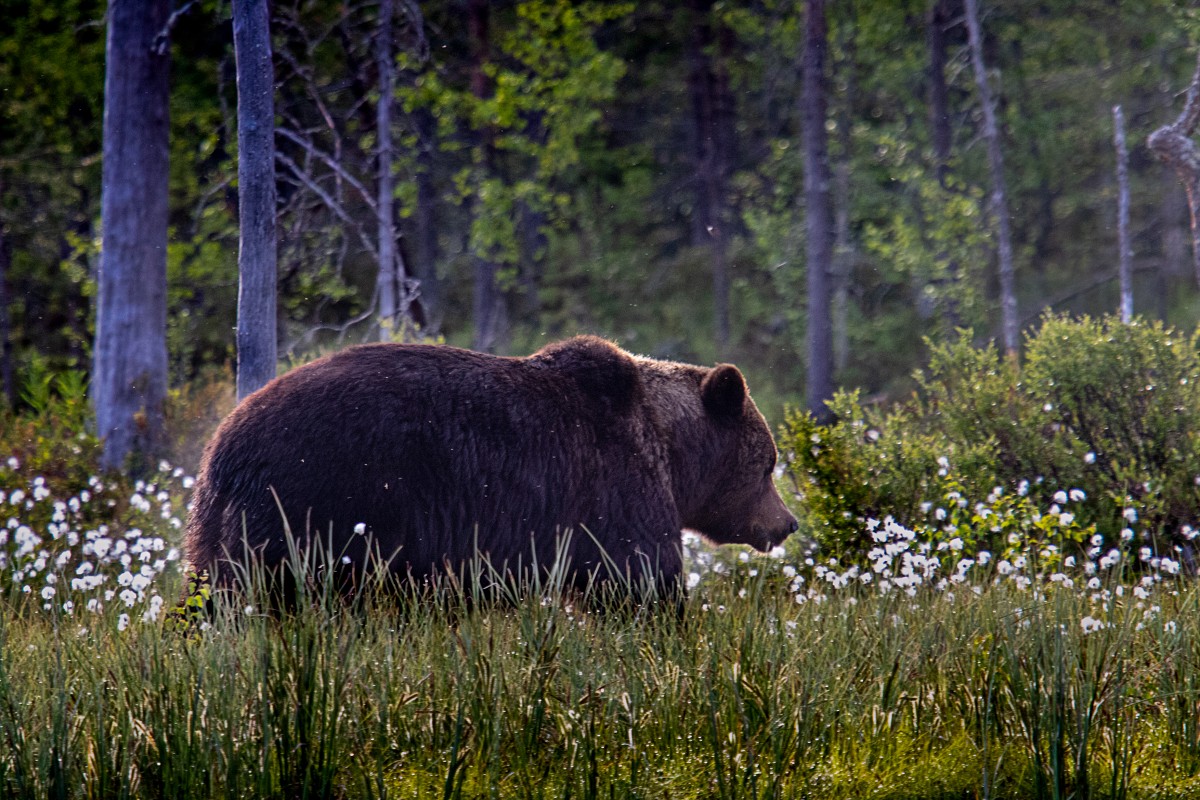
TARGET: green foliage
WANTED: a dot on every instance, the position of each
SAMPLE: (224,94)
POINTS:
(548,82)
(936,241)
(51,436)
(191,616)
(1129,395)
(1100,408)
(51,78)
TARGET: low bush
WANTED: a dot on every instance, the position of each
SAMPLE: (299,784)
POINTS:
(1097,411)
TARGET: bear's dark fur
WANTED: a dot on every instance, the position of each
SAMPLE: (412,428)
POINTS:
(444,453)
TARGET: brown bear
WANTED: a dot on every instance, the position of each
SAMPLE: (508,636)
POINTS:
(438,455)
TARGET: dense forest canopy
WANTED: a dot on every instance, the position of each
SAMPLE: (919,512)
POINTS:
(595,166)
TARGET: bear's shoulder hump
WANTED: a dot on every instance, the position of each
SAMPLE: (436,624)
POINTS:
(601,369)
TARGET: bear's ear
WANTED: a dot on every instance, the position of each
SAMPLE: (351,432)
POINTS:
(723,391)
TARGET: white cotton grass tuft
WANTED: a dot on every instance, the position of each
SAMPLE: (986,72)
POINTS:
(1038,553)
(51,546)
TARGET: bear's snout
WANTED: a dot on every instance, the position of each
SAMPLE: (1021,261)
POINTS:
(789,528)
(766,537)
(780,523)
(777,537)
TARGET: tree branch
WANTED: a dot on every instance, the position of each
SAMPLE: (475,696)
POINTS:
(330,203)
(163,40)
(330,162)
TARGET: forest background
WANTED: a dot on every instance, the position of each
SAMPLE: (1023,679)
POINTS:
(629,169)
(991,594)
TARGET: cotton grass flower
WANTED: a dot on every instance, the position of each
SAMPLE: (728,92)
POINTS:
(81,567)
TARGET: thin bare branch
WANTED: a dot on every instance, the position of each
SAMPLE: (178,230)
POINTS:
(162,42)
(330,162)
(330,203)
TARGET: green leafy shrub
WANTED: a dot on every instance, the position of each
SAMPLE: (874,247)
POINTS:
(1100,411)
(50,436)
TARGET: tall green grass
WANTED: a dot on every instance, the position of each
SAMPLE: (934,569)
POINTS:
(999,692)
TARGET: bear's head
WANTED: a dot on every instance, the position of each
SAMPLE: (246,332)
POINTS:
(736,502)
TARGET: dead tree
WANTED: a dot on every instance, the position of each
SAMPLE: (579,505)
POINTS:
(394,288)
(1125,260)
(1173,145)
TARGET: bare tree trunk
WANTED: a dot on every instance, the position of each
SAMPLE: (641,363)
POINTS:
(425,224)
(7,389)
(1173,145)
(705,82)
(490,312)
(818,217)
(256,330)
(391,285)
(1125,261)
(843,245)
(720,276)
(531,234)
(939,94)
(999,203)
(129,380)
(489,309)
(939,124)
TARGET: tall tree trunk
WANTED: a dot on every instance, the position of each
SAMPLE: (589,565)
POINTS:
(256,328)
(1124,249)
(1172,227)
(129,381)
(7,390)
(999,203)
(489,308)
(706,80)
(843,245)
(389,285)
(425,223)
(937,21)
(531,233)
(818,213)
(491,315)
(939,94)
